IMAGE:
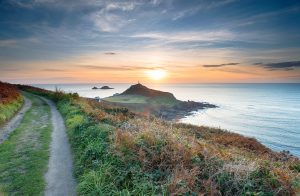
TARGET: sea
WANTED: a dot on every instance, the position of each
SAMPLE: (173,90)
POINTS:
(268,112)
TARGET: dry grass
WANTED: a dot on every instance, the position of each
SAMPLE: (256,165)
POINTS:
(8,93)
(175,148)
(10,101)
(160,156)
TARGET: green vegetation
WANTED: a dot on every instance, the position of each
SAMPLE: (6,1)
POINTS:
(140,94)
(127,99)
(10,101)
(120,153)
(24,155)
(8,110)
(164,101)
(146,101)
(138,99)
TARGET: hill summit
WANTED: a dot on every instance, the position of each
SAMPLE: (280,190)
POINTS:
(139,89)
(142,99)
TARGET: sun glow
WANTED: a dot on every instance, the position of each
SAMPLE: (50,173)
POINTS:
(156,74)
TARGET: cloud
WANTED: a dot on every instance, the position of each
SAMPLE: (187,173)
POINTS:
(9,69)
(16,42)
(112,17)
(202,6)
(96,67)
(107,16)
(108,22)
(110,53)
(238,71)
(67,4)
(53,70)
(220,65)
(287,66)
(156,2)
(124,6)
(262,17)
(119,68)
(8,43)
(185,13)
(189,36)
(56,78)
(294,77)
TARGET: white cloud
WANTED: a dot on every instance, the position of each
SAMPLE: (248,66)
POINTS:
(156,2)
(109,21)
(124,6)
(189,36)
(33,3)
(214,4)
(187,12)
(202,6)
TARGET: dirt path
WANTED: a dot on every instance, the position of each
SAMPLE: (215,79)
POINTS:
(59,177)
(15,121)
(24,155)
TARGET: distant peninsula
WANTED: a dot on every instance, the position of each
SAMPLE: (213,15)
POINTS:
(142,99)
(103,88)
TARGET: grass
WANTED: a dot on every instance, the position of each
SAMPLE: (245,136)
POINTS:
(7,110)
(117,152)
(143,105)
(24,155)
(164,101)
(10,101)
(138,99)
(127,99)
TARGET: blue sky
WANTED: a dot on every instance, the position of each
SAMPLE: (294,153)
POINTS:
(52,37)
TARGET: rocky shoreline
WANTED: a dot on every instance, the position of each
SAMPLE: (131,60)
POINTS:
(181,110)
(176,112)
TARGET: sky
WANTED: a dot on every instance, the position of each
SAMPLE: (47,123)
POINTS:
(162,41)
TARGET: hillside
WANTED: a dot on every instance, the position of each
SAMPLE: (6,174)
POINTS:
(118,152)
(142,99)
(11,101)
(139,89)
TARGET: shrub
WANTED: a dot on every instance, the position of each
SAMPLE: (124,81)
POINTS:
(75,121)
(296,167)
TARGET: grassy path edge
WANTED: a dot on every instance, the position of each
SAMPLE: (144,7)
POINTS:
(24,155)
(14,122)
(59,177)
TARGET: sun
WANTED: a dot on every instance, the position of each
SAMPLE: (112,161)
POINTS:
(156,74)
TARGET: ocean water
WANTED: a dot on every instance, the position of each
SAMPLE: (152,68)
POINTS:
(268,112)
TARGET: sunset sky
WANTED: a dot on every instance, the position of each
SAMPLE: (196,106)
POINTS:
(164,41)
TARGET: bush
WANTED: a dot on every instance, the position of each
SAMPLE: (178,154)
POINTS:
(75,121)
(296,167)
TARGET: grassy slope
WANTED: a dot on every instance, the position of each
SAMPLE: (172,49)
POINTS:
(117,153)
(142,104)
(138,99)
(10,101)
(8,110)
(127,99)
(24,155)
